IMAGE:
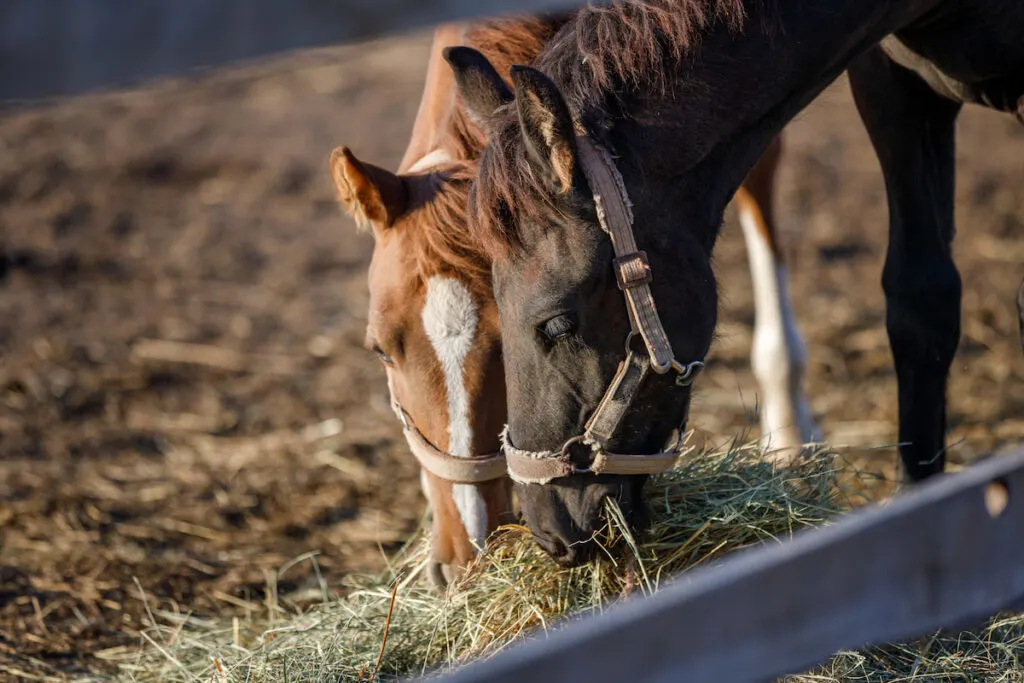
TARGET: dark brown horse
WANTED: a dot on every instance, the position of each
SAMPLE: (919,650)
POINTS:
(642,119)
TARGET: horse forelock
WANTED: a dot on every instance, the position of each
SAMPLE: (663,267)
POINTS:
(436,229)
(506,193)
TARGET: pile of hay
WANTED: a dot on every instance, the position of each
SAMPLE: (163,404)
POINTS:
(713,504)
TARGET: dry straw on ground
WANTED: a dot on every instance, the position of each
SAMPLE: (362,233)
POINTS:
(393,625)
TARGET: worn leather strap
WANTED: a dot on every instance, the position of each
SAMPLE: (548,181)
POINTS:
(615,403)
(541,467)
(475,470)
(632,271)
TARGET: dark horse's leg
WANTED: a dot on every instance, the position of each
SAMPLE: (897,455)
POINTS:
(912,130)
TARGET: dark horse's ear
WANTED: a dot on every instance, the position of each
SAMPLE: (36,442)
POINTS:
(369,194)
(480,86)
(546,125)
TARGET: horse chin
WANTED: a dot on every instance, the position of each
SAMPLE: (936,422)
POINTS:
(565,515)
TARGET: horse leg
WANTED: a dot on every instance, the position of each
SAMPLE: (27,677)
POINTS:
(913,132)
(777,358)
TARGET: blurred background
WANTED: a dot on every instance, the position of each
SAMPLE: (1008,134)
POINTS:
(185,405)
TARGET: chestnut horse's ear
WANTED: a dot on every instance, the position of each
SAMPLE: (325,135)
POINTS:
(368,193)
(480,86)
(547,126)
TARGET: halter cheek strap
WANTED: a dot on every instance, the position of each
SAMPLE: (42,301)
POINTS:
(474,470)
(633,275)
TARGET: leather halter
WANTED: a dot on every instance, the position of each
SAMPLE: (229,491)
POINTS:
(633,275)
(473,470)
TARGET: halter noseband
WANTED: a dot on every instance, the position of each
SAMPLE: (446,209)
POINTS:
(633,275)
(476,469)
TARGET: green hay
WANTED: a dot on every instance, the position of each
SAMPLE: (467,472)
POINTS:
(711,505)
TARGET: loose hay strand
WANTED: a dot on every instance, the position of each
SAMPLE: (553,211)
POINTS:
(712,504)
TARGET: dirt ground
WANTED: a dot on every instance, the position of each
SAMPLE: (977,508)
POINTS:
(185,406)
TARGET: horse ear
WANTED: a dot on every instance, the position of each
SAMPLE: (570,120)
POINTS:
(546,125)
(368,193)
(480,86)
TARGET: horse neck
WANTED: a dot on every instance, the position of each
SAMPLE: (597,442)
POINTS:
(438,102)
(722,105)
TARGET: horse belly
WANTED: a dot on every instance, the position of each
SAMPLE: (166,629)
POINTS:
(968,51)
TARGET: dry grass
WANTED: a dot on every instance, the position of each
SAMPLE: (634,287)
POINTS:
(393,625)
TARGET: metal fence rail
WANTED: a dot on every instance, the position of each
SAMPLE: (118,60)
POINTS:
(947,554)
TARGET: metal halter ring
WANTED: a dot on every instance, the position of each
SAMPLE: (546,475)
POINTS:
(687,372)
(629,341)
(564,452)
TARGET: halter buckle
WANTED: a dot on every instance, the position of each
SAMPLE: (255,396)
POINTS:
(632,270)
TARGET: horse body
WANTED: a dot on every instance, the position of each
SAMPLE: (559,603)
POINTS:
(683,129)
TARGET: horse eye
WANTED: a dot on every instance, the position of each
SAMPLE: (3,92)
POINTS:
(559,327)
(384,358)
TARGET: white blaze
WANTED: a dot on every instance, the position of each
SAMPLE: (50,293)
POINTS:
(450,319)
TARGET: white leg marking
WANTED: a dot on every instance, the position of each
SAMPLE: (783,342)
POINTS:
(430,160)
(778,357)
(450,319)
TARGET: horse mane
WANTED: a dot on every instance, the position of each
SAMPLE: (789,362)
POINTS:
(630,44)
(442,240)
(600,56)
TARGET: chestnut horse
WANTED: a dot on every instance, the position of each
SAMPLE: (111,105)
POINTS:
(433,320)
(619,131)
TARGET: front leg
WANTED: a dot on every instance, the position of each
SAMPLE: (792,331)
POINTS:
(913,132)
